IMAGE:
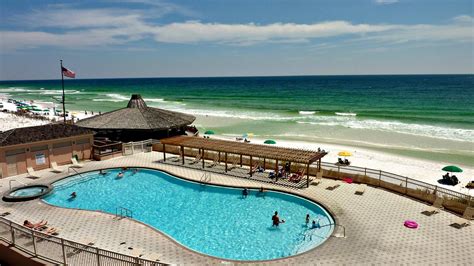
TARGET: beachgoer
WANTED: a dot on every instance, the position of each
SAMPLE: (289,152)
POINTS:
(120,175)
(307,219)
(245,192)
(41,225)
(73,195)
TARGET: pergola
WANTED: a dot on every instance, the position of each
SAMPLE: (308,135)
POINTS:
(279,154)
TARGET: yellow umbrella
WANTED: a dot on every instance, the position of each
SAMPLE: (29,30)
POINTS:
(344,153)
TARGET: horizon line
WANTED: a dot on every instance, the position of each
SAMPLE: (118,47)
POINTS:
(250,76)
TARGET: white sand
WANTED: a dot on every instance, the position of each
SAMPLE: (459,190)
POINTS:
(423,170)
(10,121)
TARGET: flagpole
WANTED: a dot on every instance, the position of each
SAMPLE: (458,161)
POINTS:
(64,96)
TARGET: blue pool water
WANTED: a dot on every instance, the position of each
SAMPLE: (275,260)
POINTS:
(213,220)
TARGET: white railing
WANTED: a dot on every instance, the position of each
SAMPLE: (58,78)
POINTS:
(131,148)
(62,251)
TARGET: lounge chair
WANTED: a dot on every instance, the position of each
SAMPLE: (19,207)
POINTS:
(177,158)
(437,205)
(215,162)
(318,179)
(234,163)
(334,185)
(55,168)
(75,163)
(32,173)
(465,220)
(197,159)
(360,189)
(296,177)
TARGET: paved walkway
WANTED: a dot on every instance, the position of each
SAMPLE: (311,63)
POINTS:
(374,223)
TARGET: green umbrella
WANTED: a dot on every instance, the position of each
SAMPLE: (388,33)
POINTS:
(209,132)
(269,141)
(452,168)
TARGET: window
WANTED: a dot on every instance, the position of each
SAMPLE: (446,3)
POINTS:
(83,141)
(62,144)
(39,148)
(14,152)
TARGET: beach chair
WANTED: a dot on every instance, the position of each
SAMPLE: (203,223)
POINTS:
(437,205)
(178,158)
(360,189)
(465,220)
(215,162)
(235,161)
(318,179)
(296,177)
(197,159)
(5,211)
(75,163)
(55,168)
(32,173)
(333,185)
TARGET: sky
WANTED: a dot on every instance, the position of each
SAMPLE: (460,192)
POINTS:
(189,38)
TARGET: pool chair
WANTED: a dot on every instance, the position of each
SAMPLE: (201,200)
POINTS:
(465,220)
(296,177)
(215,162)
(360,189)
(197,159)
(437,205)
(234,163)
(178,158)
(55,168)
(75,163)
(318,179)
(32,173)
(333,185)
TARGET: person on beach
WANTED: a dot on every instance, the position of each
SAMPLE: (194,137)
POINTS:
(307,219)
(245,192)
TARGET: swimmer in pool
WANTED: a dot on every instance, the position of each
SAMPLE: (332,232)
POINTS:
(307,219)
(119,175)
(73,195)
(245,192)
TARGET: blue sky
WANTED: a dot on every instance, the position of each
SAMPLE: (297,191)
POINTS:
(146,38)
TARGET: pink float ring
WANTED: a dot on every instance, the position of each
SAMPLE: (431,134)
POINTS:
(411,224)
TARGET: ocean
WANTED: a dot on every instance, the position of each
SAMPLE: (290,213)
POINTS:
(423,116)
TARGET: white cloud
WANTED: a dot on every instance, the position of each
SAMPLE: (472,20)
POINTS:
(72,28)
(386,2)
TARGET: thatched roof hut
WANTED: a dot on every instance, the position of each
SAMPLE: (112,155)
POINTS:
(137,121)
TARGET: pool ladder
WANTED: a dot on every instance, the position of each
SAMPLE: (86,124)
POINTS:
(205,178)
(121,212)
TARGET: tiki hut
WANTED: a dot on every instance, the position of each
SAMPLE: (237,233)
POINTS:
(137,122)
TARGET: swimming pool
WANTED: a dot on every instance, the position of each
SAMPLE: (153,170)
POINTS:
(213,220)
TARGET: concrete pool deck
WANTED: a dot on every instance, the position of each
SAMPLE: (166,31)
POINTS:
(374,223)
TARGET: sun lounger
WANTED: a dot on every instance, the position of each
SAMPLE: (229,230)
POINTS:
(178,158)
(75,163)
(437,205)
(334,185)
(296,177)
(318,179)
(55,168)
(234,163)
(360,189)
(32,173)
(465,220)
(197,159)
(215,162)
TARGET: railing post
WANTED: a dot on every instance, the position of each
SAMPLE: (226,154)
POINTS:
(98,256)
(64,251)
(380,176)
(406,185)
(34,241)
(365,171)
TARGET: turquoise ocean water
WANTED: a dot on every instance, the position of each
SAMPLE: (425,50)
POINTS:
(425,116)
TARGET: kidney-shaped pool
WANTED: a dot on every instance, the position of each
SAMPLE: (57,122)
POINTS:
(217,221)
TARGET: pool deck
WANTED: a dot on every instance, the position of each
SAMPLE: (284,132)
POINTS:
(374,231)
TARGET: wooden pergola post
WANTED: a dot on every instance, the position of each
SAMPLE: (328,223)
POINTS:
(182,153)
(225,162)
(307,175)
(319,165)
(203,161)
(164,152)
(251,165)
(219,157)
(241,160)
(264,166)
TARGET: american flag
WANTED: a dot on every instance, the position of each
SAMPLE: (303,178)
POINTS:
(68,73)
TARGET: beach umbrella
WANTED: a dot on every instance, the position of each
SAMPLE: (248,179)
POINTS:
(269,141)
(452,168)
(209,132)
(344,153)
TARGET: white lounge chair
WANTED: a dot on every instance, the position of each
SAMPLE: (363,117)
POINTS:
(75,163)
(32,173)
(360,189)
(465,220)
(215,162)
(437,205)
(318,179)
(333,185)
(55,168)
(234,163)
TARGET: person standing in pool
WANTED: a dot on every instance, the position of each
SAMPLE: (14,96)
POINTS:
(307,219)
(73,195)
(276,220)
(245,192)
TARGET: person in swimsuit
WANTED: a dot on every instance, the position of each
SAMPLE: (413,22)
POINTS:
(276,220)
(73,195)
(245,192)
(307,219)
